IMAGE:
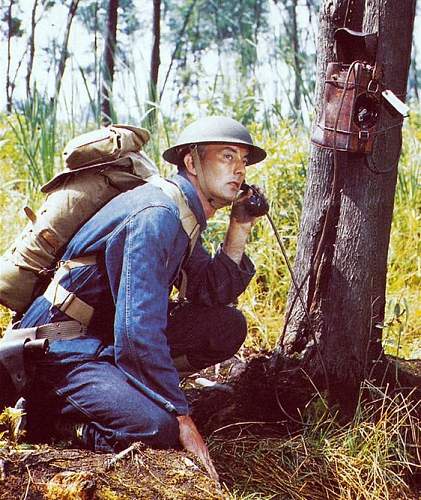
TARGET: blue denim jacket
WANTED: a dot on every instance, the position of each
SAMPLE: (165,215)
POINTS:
(140,244)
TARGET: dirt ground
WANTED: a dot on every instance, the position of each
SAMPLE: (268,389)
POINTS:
(62,473)
(42,472)
(30,472)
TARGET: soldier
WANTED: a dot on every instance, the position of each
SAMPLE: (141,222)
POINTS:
(119,382)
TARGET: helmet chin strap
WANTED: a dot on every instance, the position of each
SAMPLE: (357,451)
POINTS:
(214,202)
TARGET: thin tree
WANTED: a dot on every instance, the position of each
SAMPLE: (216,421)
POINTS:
(292,29)
(13,30)
(155,63)
(31,44)
(64,54)
(109,63)
(9,44)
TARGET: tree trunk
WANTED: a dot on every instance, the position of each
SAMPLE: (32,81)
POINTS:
(9,87)
(293,31)
(31,49)
(108,63)
(64,52)
(155,62)
(345,299)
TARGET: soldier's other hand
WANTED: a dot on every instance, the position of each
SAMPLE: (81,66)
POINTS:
(192,441)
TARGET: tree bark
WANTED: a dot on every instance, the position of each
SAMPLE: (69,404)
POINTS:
(9,87)
(155,62)
(108,63)
(64,52)
(345,300)
(31,49)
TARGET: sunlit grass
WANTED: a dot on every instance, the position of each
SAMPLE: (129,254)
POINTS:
(369,458)
(282,176)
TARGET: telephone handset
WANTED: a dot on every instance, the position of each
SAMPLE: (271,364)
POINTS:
(257,204)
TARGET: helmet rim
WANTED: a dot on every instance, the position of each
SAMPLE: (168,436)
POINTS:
(214,130)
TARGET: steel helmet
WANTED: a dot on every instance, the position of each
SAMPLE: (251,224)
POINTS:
(214,129)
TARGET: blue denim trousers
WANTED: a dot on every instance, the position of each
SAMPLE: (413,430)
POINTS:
(116,413)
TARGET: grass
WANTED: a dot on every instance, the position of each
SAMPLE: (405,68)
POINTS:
(402,337)
(370,458)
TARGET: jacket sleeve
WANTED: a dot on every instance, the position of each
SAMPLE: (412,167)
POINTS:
(218,279)
(136,259)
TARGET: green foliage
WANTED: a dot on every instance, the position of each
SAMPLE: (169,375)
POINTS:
(93,15)
(283,178)
(34,126)
(16,29)
(9,425)
(13,184)
(225,25)
(403,320)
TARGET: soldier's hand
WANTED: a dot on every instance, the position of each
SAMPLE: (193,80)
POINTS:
(192,441)
(249,205)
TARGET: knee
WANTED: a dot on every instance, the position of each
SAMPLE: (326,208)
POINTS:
(158,431)
(166,433)
(233,330)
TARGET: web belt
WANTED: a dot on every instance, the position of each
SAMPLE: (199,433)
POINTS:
(61,330)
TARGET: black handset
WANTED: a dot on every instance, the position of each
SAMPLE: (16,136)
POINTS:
(257,204)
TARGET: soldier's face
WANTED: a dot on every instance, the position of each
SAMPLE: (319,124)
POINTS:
(224,168)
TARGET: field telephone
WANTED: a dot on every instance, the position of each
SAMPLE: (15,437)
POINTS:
(257,204)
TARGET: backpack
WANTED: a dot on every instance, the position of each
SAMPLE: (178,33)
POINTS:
(99,166)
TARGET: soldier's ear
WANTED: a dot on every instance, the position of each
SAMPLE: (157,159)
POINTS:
(189,164)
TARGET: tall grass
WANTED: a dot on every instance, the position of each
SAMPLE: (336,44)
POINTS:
(35,126)
(31,142)
(372,457)
(403,320)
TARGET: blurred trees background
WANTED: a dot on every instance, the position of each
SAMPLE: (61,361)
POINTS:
(174,52)
(139,61)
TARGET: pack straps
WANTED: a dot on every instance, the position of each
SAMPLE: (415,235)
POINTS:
(188,221)
(65,301)
(187,217)
(77,309)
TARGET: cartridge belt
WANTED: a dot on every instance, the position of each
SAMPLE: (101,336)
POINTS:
(60,330)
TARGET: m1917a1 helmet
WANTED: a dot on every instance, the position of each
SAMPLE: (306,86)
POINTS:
(211,130)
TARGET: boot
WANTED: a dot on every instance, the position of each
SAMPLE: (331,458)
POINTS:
(69,431)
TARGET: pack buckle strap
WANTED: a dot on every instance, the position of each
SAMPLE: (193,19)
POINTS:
(67,302)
